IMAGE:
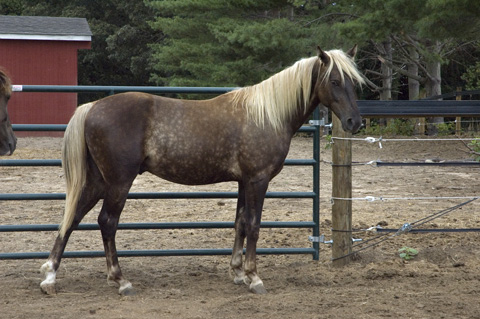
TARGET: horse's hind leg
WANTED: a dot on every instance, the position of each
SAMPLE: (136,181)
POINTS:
(108,221)
(87,201)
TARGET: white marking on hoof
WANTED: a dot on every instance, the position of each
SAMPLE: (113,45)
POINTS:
(48,285)
(48,266)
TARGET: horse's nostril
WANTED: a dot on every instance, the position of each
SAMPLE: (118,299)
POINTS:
(349,123)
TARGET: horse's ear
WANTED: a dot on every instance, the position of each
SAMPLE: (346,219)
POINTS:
(353,51)
(322,55)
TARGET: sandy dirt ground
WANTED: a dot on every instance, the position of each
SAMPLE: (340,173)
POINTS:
(442,281)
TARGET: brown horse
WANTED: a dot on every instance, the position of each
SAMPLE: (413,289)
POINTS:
(241,136)
(8,141)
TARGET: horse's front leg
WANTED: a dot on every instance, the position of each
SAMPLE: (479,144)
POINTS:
(255,191)
(236,263)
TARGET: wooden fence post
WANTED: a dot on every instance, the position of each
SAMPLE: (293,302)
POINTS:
(341,188)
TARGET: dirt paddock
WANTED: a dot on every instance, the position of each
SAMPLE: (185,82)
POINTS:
(441,282)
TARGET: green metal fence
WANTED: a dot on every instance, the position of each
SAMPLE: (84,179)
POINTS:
(314,195)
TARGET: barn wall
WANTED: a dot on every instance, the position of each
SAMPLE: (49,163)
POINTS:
(41,63)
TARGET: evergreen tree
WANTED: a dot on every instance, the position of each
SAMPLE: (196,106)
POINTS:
(472,77)
(424,34)
(11,7)
(230,43)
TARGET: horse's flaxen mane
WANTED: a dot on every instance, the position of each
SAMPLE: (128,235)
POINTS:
(5,84)
(275,100)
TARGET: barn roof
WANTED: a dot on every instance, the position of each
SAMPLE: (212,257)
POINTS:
(44,28)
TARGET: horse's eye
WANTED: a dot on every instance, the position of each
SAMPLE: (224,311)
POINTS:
(335,83)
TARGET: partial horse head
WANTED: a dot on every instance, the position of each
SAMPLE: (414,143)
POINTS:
(336,87)
(8,141)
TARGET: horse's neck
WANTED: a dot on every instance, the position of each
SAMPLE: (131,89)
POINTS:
(302,115)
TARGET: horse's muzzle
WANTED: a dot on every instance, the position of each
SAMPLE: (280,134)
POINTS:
(352,125)
(12,145)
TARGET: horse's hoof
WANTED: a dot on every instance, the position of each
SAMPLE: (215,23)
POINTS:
(127,290)
(111,283)
(238,281)
(48,289)
(258,289)
(239,277)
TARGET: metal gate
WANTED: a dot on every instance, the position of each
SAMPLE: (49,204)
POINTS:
(314,195)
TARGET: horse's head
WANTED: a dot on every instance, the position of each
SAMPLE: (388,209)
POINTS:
(8,141)
(335,86)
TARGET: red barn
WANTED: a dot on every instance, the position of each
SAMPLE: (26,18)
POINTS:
(42,51)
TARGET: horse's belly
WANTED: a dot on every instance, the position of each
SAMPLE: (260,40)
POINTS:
(193,171)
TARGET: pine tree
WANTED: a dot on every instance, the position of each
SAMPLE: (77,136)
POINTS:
(229,43)
(424,33)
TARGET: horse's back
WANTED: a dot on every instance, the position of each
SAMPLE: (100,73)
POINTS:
(183,141)
(194,142)
(189,142)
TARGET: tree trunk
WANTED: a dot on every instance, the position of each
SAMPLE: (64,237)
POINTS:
(386,89)
(433,86)
(414,88)
(413,85)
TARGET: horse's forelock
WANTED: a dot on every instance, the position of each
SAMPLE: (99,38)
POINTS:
(345,65)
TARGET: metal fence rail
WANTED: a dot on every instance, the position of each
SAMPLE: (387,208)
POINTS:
(158,253)
(162,195)
(419,108)
(314,194)
(121,89)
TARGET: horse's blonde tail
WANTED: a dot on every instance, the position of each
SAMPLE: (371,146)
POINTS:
(74,162)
